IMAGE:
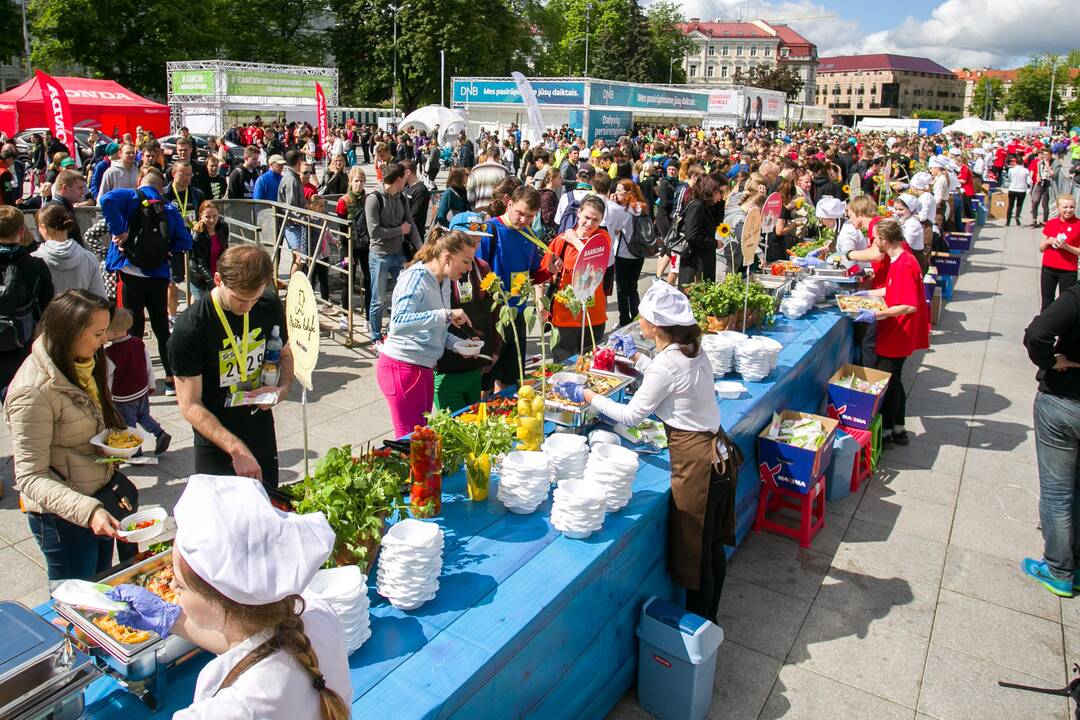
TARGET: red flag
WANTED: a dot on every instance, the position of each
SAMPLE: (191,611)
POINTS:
(57,107)
(320,109)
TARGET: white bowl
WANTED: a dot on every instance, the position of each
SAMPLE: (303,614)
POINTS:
(137,536)
(729,389)
(339,583)
(413,533)
(616,454)
(563,376)
(563,444)
(468,348)
(603,437)
(99,441)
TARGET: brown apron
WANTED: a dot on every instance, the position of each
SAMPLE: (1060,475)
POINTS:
(696,469)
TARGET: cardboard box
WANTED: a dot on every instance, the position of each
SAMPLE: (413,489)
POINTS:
(794,468)
(968,225)
(936,304)
(851,407)
(958,241)
(999,205)
(946,263)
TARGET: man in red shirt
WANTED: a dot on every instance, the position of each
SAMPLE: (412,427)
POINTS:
(999,162)
(1060,247)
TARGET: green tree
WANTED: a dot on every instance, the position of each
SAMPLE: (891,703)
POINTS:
(668,44)
(11,37)
(945,116)
(781,78)
(1029,97)
(988,98)
(480,37)
(280,31)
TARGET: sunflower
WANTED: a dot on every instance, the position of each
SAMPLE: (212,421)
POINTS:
(798,203)
(845,189)
(518,281)
(881,209)
(490,280)
(723,230)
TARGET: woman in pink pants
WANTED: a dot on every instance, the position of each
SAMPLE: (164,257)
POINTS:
(419,322)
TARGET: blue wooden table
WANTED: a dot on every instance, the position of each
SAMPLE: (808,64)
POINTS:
(528,623)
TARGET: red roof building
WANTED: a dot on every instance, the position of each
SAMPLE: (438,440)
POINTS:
(721,48)
(885,85)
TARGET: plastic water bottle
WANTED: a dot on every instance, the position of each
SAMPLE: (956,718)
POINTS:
(271,365)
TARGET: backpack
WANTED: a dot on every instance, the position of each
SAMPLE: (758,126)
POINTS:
(569,218)
(642,240)
(147,244)
(17,309)
(675,242)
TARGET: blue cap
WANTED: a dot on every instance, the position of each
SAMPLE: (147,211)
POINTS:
(470,223)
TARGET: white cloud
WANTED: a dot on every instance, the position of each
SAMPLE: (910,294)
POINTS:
(958,33)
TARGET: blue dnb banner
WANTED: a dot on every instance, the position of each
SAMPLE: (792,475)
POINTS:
(609,125)
(647,98)
(930,127)
(505,92)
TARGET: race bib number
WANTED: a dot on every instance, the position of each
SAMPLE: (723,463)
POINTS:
(229,370)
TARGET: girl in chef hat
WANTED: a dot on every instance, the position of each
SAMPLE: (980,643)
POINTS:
(240,566)
(678,387)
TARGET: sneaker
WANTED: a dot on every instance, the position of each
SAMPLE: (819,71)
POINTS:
(343,324)
(170,389)
(886,440)
(900,438)
(1038,571)
(1076,577)
(162,443)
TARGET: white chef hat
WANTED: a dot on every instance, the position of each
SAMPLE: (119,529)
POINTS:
(830,208)
(954,150)
(909,201)
(921,181)
(665,305)
(938,161)
(248,550)
(978,151)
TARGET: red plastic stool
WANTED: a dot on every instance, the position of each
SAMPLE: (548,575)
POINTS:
(864,460)
(811,507)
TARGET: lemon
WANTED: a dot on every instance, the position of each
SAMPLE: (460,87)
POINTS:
(524,406)
(526,392)
(538,407)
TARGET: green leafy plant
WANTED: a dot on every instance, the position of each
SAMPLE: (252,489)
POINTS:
(356,494)
(710,299)
(489,434)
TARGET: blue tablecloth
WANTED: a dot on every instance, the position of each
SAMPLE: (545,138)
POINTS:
(528,623)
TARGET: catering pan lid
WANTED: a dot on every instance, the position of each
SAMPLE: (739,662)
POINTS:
(36,661)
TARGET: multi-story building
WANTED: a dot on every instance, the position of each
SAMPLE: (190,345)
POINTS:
(885,85)
(720,48)
(972,78)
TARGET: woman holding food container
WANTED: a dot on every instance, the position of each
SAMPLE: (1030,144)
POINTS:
(58,401)
(902,327)
(678,387)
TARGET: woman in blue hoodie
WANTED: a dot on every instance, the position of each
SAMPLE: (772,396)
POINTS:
(420,321)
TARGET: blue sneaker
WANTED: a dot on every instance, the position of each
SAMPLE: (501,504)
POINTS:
(1040,573)
(1076,580)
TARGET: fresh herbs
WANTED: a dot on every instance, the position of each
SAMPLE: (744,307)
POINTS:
(718,300)
(356,494)
(488,434)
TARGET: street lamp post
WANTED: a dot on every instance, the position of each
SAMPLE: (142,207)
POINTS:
(671,72)
(588,11)
(1050,103)
(393,89)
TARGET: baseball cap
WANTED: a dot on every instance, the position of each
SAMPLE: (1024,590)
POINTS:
(112,148)
(275,159)
(67,162)
(470,223)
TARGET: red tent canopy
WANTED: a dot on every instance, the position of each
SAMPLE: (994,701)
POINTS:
(101,104)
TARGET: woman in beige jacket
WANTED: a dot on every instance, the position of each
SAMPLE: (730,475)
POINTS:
(58,400)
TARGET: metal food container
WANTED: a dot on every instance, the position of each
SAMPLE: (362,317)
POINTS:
(138,662)
(579,417)
(837,275)
(42,674)
(776,285)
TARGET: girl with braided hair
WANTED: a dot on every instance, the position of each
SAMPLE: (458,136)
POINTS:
(240,566)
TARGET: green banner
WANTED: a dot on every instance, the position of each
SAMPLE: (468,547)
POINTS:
(193,82)
(269,84)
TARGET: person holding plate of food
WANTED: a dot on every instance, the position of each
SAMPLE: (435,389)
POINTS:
(678,388)
(280,656)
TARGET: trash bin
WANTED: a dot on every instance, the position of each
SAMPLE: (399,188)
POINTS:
(838,476)
(676,661)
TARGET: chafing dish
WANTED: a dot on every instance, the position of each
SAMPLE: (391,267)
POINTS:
(579,417)
(837,275)
(775,285)
(139,666)
(42,674)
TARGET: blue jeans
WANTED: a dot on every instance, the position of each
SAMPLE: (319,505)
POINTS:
(1057,441)
(383,267)
(138,411)
(70,551)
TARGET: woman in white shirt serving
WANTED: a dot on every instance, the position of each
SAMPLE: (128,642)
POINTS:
(906,209)
(240,566)
(678,387)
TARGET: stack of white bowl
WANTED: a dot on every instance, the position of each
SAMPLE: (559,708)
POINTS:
(344,589)
(524,481)
(753,359)
(719,353)
(774,347)
(613,468)
(410,563)
(578,509)
(567,455)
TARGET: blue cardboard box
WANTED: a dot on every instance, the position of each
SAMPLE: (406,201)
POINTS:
(946,264)
(795,468)
(853,408)
(958,241)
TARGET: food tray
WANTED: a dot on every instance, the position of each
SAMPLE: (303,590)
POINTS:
(567,414)
(852,304)
(138,660)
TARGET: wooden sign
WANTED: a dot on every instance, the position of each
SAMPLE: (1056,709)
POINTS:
(302,319)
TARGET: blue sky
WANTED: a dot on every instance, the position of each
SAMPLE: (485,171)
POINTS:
(955,33)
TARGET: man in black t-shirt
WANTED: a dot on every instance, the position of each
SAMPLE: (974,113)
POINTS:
(232,438)
(241,181)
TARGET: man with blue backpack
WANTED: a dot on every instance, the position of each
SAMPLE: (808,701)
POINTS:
(570,202)
(145,231)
